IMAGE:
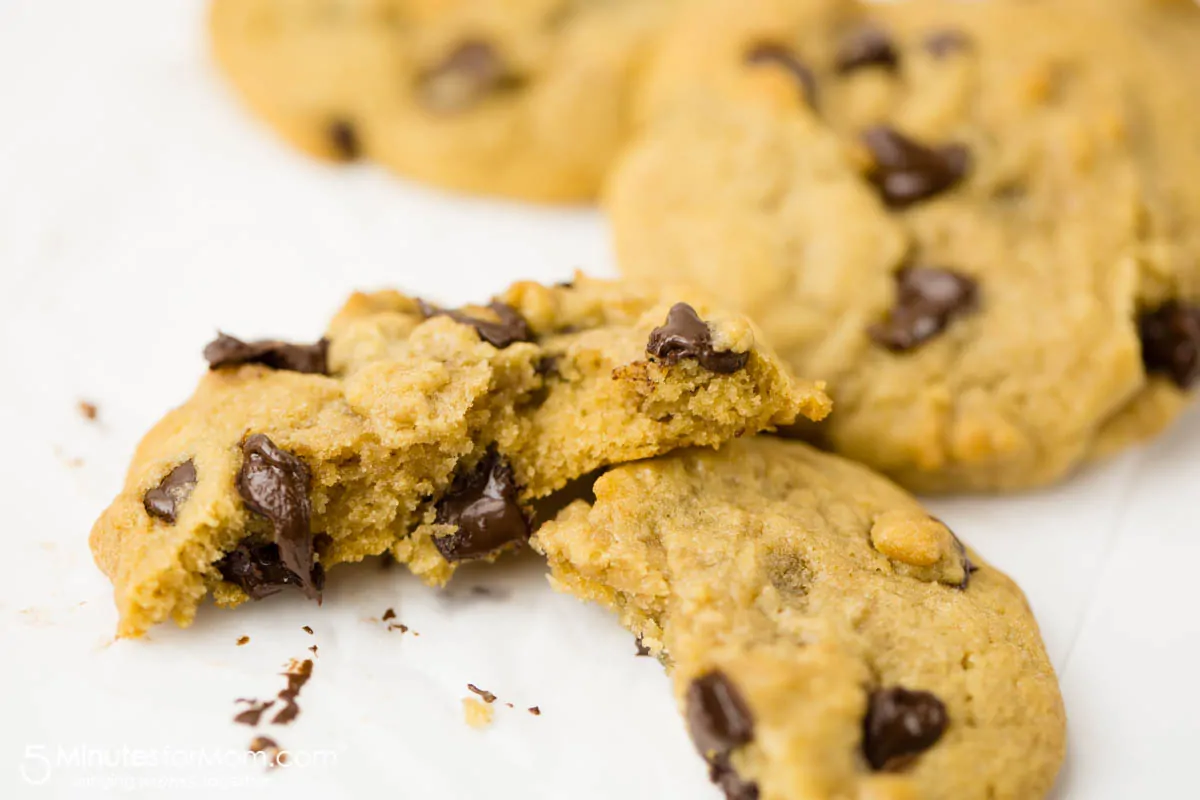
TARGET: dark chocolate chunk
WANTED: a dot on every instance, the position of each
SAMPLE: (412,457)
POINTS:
(227,351)
(775,54)
(259,572)
(1171,342)
(164,500)
(297,675)
(483,505)
(927,299)
(511,327)
(388,614)
(727,780)
(343,136)
(685,335)
(717,716)
(943,43)
(906,172)
(274,483)
(869,46)
(899,725)
(466,77)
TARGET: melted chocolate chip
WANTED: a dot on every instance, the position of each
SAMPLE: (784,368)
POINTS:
(164,500)
(274,483)
(685,335)
(868,46)
(717,716)
(343,136)
(726,778)
(483,505)
(775,54)
(906,172)
(927,299)
(227,351)
(510,328)
(466,77)
(901,724)
(258,571)
(943,43)
(1170,337)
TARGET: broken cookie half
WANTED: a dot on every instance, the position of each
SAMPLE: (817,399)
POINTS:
(422,431)
(826,637)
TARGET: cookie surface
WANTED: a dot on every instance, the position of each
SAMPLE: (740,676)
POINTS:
(826,637)
(973,219)
(420,430)
(525,99)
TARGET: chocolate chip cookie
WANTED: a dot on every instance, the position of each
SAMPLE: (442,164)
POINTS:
(420,430)
(525,98)
(826,637)
(976,220)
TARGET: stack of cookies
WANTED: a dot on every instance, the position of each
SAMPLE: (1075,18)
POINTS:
(953,244)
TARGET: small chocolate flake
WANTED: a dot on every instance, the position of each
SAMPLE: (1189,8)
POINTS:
(1170,337)
(642,650)
(906,172)
(243,640)
(297,674)
(471,73)
(482,504)
(717,716)
(509,705)
(397,626)
(537,712)
(88,411)
(164,500)
(927,300)
(484,694)
(343,136)
(228,351)
(510,328)
(274,483)
(313,650)
(869,46)
(254,712)
(943,43)
(775,54)
(307,630)
(899,725)
(389,614)
(267,746)
(685,335)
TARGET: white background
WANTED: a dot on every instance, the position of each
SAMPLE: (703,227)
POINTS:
(140,209)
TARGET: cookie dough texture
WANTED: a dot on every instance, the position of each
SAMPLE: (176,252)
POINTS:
(521,98)
(1073,212)
(418,407)
(813,586)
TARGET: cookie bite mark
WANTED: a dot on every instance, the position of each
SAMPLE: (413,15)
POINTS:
(344,141)
(719,722)
(508,328)
(905,172)
(685,335)
(868,46)
(164,500)
(471,73)
(946,42)
(901,724)
(482,504)
(1170,337)
(228,351)
(927,300)
(275,484)
(779,55)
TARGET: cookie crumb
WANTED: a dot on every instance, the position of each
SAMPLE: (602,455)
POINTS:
(487,696)
(537,712)
(477,714)
(642,650)
(88,410)
(510,705)
(243,640)
(268,747)
(307,630)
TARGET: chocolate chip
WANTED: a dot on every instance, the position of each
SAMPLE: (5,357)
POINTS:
(258,571)
(726,778)
(900,724)
(906,172)
(510,328)
(389,614)
(685,335)
(775,54)
(927,299)
(164,500)
(1171,342)
(969,567)
(466,77)
(483,505)
(717,716)
(343,136)
(274,483)
(943,43)
(868,46)
(227,351)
